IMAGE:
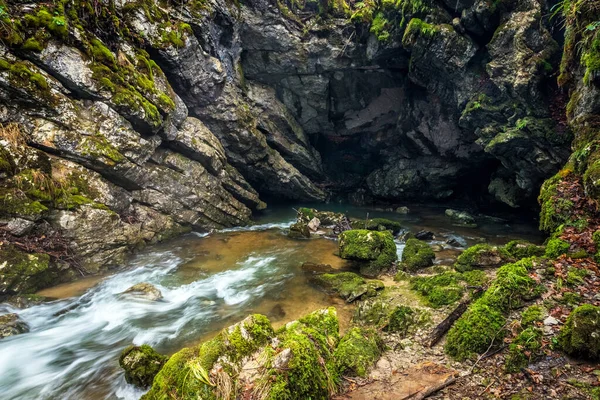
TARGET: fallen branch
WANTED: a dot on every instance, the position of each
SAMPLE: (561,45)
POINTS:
(423,395)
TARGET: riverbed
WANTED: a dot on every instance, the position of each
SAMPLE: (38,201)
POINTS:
(208,281)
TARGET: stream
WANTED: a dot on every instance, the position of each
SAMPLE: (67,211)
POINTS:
(208,281)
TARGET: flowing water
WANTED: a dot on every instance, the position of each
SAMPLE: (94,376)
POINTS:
(208,281)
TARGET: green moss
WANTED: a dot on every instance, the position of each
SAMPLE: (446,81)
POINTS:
(484,321)
(376,248)
(473,333)
(580,336)
(512,286)
(358,350)
(141,364)
(439,290)
(98,146)
(417,254)
(349,285)
(519,249)
(524,349)
(532,315)
(32,44)
(23,272)
(576,276)
(401,320)
(556,247)
(418,28)
(482,256)
(555,210)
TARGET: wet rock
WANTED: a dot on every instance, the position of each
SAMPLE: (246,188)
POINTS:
(454,242)
(299,230)
(11,324)
(314,224)
(461,217)
(141,364)
(326,218)
(402,210)
(424,235)
(26,300)
(144,291)
(19,226)
(375,250)
(313,268)
(416,255)
(277,312)
(550,321)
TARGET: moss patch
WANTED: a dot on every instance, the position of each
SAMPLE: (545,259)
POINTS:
(580,336)
(358,350)
(376,248)
(482,256)
(417,254)
(349,285)
(524,349)
(141,364)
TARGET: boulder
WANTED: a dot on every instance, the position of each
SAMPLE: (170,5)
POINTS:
(299,230)
(460,217)
(326,218)
(377,224)
(19,226)
(144,291)
(12,324)
(22,272)
(424,235)
(416,255)
(358,350)
(482,256)
(349,286)
(580,336)
(376,250)
(141,364)
(314,224)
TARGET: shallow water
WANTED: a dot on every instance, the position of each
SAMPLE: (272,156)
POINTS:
(208,281)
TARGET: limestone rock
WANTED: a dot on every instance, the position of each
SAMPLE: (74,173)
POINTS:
(144,291)
(11,324)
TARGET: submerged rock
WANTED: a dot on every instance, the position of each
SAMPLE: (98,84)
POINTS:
(376,249)
(141,364)
(461,217)
(12,324)
(312,268)
(145,291)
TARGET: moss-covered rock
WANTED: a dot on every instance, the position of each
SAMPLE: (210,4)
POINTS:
(474,331)
(439,290)
(186,374)
(349,285)
(417,254)
(556,247)
(327,218)
(141,364)
(523,350)
(377,224)
(22,272)
(376,249)
(483,323)
(357,351)
(580,336)
(482,256)
(531,316)
(521,249)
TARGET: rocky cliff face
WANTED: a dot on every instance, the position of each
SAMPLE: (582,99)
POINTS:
(126,122)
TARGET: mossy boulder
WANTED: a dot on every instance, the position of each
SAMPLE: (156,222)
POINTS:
(474,331)
(580,336)
(482,256)
(531,316)
(249,360)
(376,250)
(377,224)
(521,249)
(184,374)
(141,364)
(358,350)
(460,217)
(483,323)
(22,272)
(556,247)
(417,254)
(349,285)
